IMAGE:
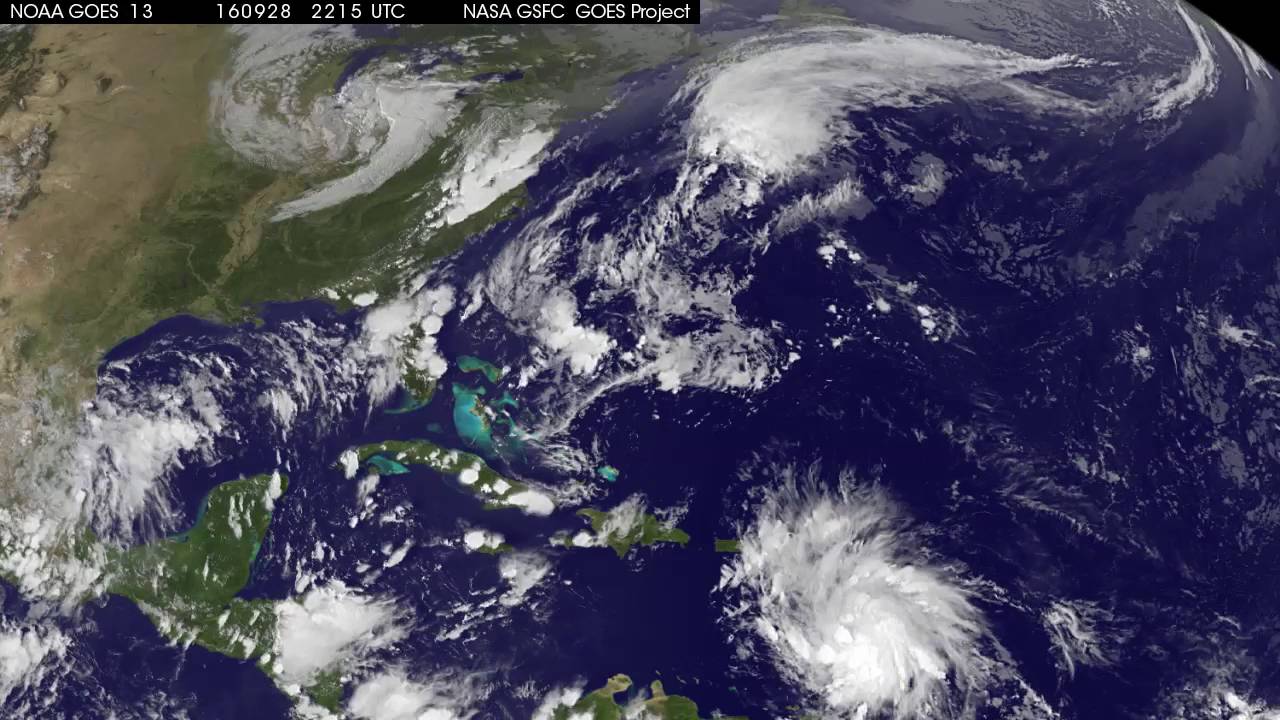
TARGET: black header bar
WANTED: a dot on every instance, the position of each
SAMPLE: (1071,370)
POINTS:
(641,12)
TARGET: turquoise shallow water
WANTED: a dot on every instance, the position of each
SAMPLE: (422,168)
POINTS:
(388,467)
(471,363)
(468,417)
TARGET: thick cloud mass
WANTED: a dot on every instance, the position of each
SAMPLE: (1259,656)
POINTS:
(835,589)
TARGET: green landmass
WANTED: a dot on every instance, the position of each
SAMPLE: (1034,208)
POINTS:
(363,243)
(602,704)
(187,584)
(153,215)
(500,549)
(419,386)
(158,217)
(412,400)
(125,109)
(326,690)
(674,707)
(487,484)
(728,546)
(621,533)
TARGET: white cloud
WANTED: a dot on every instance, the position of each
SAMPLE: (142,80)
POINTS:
(532,502)
(257,107)
(774,104)
(479,539)
(685,327)
(645,296)
(1199,79)
(24,653)
(392,695)
(140,430)
(560,697)
(522,572)
(1082,633)
(401,334)
(843,199)
(500,152)
(381,121)
(834,588)
(1234,707)
(930,179)
(1252,63)
(350,463)
(1230,332)
(132,437)
(110,465)
(406,115)
(583,347)
(625,517)
(330,625)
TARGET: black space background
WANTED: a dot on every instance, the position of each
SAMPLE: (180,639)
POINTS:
(1257,22)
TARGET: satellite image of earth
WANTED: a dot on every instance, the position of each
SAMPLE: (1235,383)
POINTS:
(865,360)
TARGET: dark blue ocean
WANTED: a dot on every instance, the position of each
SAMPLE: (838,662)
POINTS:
(977,435)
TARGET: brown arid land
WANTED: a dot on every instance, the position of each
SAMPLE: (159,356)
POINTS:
(121,106)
